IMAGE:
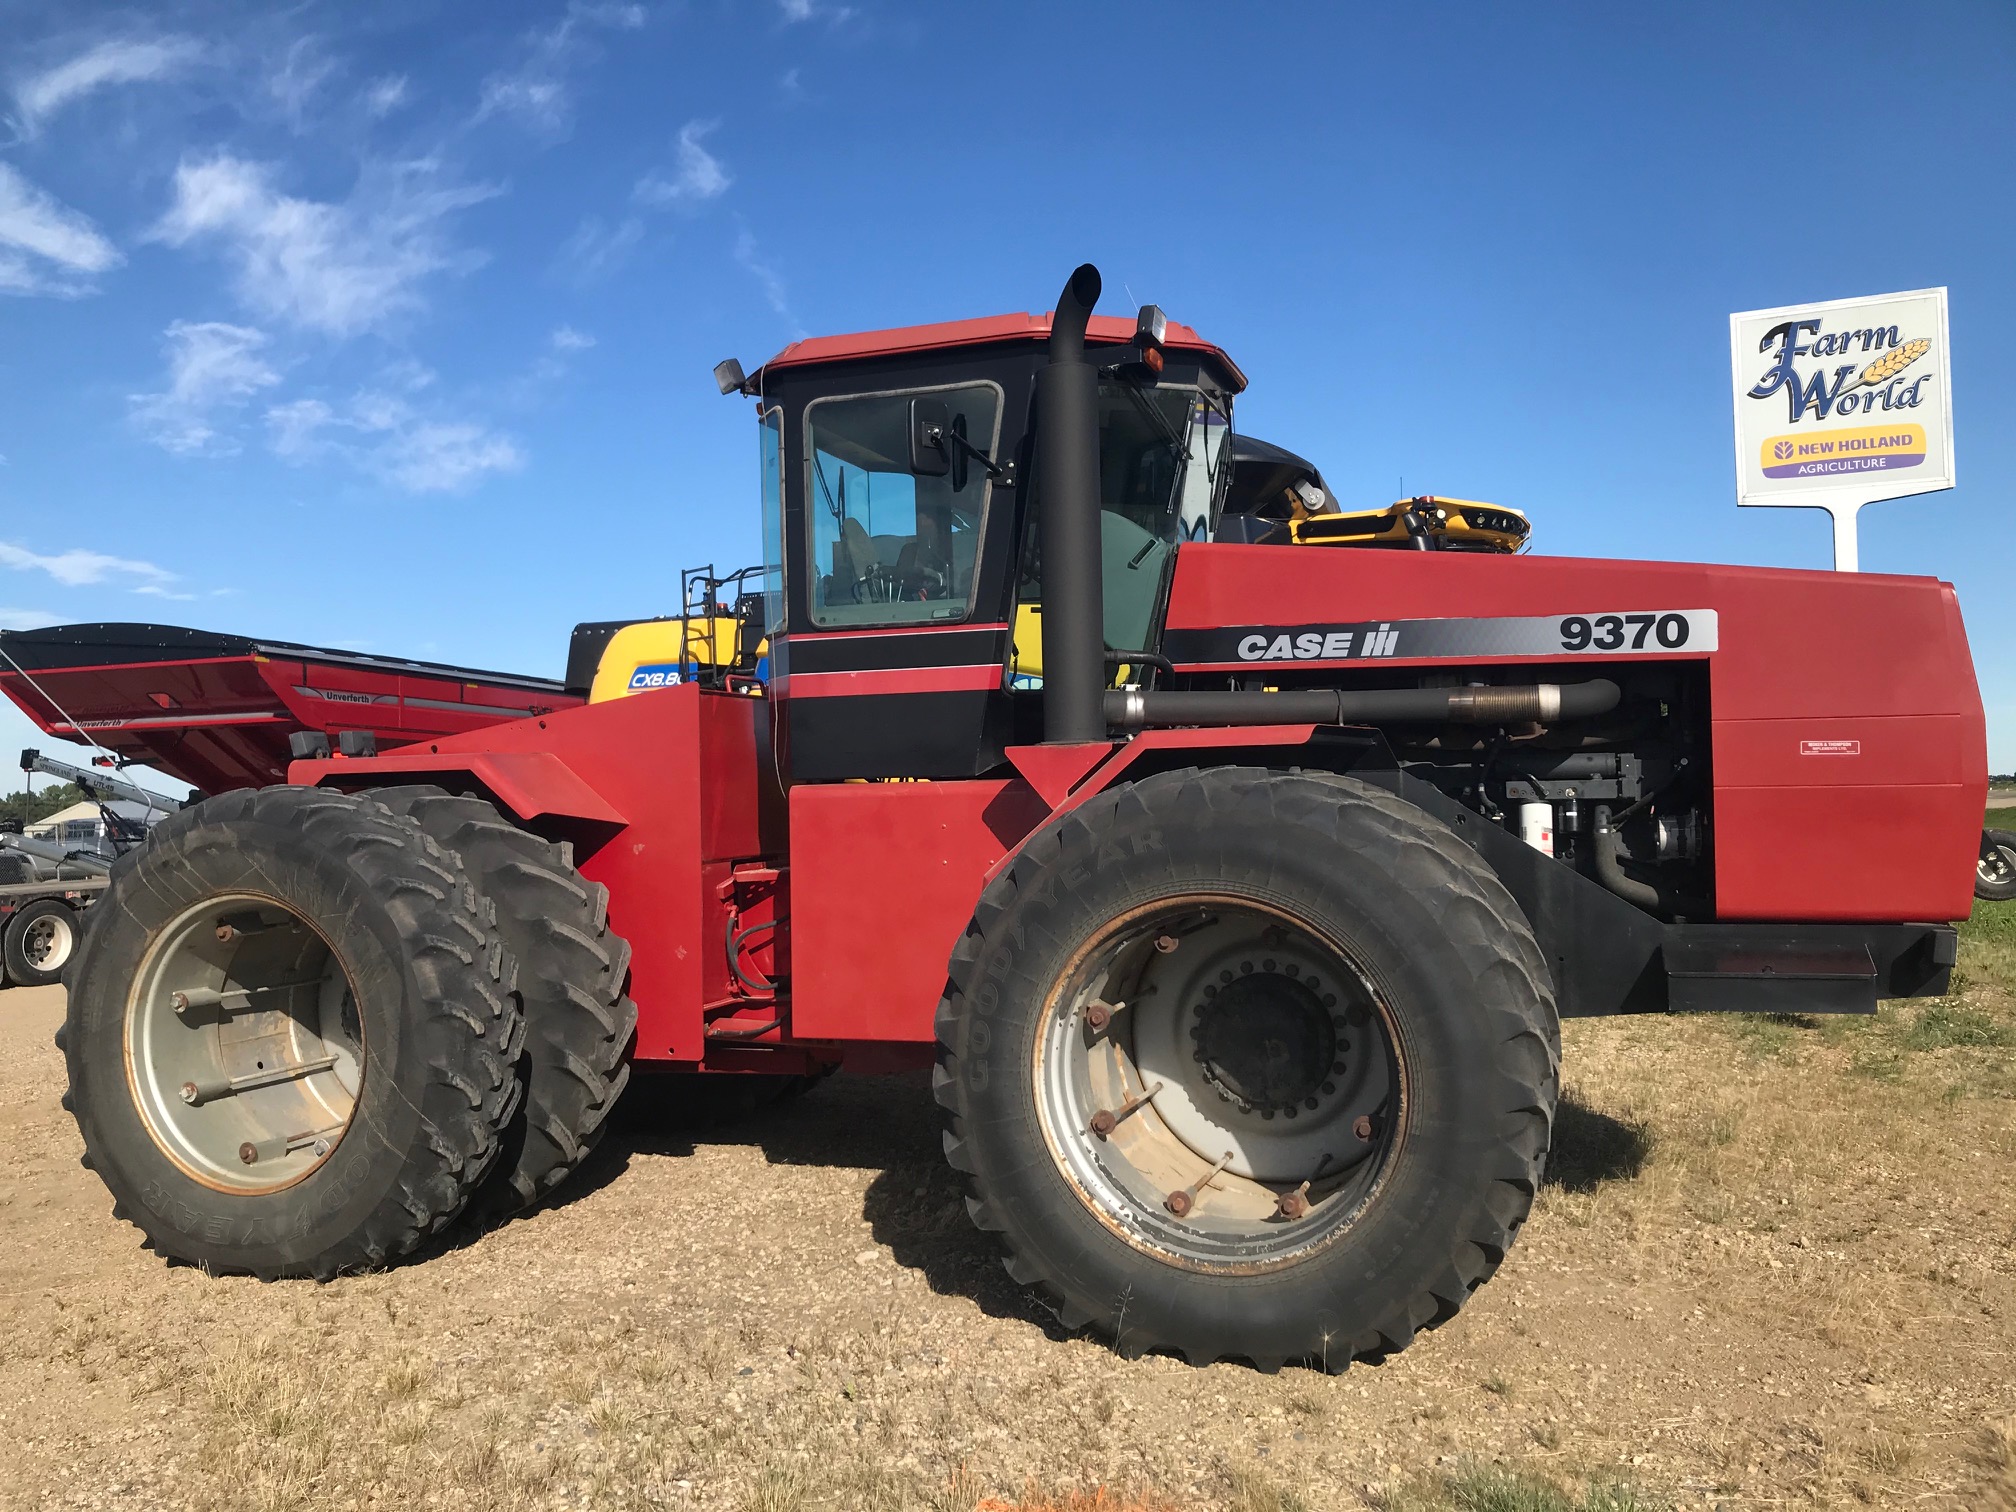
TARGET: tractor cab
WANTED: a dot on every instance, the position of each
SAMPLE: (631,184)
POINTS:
(904,575)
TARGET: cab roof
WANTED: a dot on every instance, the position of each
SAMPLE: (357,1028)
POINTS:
(987,330)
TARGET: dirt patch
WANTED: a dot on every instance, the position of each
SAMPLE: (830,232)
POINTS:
(1773,1265)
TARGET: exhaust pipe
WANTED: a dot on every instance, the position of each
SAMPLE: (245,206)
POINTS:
(1077,708)
(1537,703)
(1067,484)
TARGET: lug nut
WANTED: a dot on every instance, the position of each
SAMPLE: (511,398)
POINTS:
(1097,1016)
(1182,1200)
(1106,1120)
(249,1153)
(190,1094)
(1166,943)
(1365,1126)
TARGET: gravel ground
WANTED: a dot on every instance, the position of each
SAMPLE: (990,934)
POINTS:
(1773,1266)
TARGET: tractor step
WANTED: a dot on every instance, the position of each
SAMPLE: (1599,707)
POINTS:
(1711,976)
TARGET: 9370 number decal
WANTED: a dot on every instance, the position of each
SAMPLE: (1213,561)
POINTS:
(1643,632)
(1656,630)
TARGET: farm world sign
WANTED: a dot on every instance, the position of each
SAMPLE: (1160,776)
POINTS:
(1841,404)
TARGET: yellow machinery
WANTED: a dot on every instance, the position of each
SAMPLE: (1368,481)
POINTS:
(1450,525)
(661,652)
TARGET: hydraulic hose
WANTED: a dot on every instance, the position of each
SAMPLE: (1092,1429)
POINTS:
(1611,874)
(1536,703)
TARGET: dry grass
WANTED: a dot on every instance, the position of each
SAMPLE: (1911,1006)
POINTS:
(1772,1266)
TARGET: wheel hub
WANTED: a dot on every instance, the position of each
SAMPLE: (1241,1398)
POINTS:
(1267,1042)
(244,1044)
(1218,1082)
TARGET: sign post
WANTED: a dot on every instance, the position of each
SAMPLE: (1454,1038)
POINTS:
(1841,404)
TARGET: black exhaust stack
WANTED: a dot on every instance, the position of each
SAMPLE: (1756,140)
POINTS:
(1067,474)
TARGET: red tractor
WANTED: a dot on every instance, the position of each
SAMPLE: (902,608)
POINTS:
(1237,938)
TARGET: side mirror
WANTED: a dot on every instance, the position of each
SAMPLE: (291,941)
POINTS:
(930,451)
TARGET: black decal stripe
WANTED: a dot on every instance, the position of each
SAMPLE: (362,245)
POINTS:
(870,651)
(1373,641)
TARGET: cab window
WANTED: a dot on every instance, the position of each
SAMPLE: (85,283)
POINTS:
(889,546)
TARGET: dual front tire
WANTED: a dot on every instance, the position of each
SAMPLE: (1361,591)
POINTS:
(297,1035)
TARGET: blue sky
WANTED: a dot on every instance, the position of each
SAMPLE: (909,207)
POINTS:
(391,326)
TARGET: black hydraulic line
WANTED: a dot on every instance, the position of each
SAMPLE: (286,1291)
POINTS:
(1141,659)
(1611,874)
(735,941)
(1537,703)
(1067,484)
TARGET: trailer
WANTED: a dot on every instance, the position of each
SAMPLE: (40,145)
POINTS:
(1236,940)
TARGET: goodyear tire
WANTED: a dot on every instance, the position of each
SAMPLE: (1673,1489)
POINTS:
(291,1035)
(1995,872)
(41,939)
(571,977)
(1249,1065)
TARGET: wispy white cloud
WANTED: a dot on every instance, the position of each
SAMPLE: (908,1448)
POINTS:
(79,567)
(212,367)
(383,96)
(383,435)
(45,246)
(125,60)
(299,78)
(598,250)
(539,92)
(567,339)
(796,11)
(750,256)
(26,619)
(696,177)
(335,268)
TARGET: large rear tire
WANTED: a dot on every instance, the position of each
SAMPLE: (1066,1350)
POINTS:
(571,977)
(1249,1064)
(291,1035)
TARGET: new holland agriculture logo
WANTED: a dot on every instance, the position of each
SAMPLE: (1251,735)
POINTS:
(1875,380)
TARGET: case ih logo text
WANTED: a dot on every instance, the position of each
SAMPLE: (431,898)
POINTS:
(1646,632)
(1319,645)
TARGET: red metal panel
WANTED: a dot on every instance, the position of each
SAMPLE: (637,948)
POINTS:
(223,722)
(1872,854)
(1803,656)
(884,876)
(976,678)
(984,330)
(679,767)
(531,785)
